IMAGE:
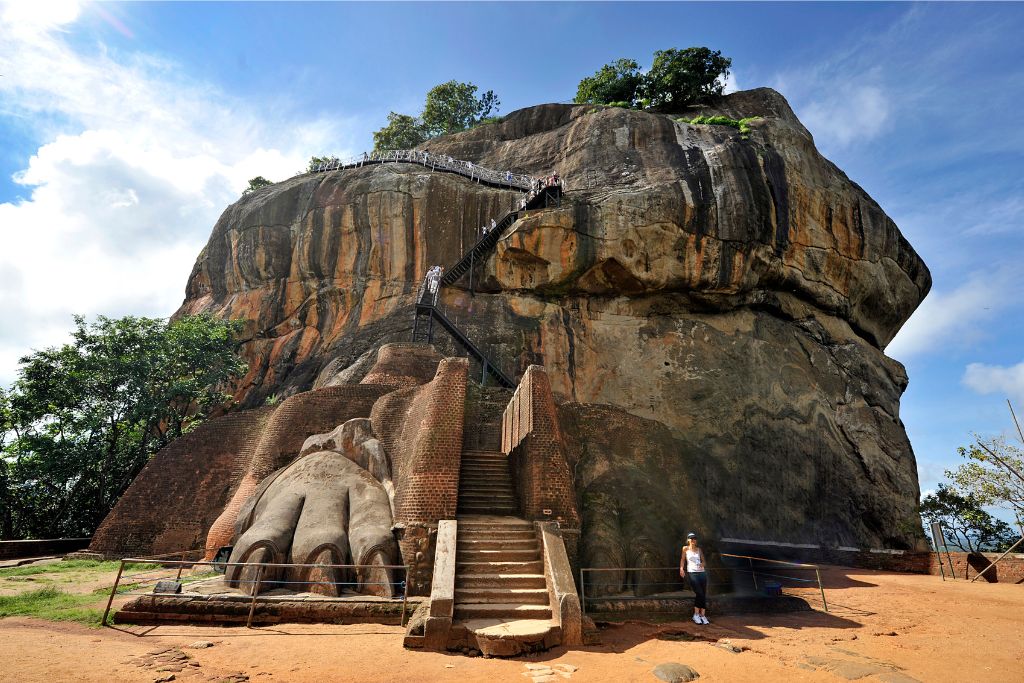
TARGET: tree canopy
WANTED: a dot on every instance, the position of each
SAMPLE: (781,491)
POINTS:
(990,482)
(255,184)
(316,161)
(450,107)
(964,523)
(82,419)
(402,132)
(614,82)
(677,79)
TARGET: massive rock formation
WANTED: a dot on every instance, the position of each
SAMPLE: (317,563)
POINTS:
(712,310)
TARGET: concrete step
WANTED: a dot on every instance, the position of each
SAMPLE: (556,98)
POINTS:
(502,610)
(497,555)
(487,510)
(530,596)
(530,567)
(467,524)
(497,543)
(497,535)
(492,489)
(500,581)
(485,497)
(483,468)
(482,453)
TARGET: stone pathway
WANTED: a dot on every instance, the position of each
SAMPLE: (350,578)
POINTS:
(544,673)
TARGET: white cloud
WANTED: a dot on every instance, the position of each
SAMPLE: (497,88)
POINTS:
(136,163)
(1006,381)
(847,113)
(956,317)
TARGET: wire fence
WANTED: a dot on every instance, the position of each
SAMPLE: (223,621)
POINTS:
(651,583)
(158,575)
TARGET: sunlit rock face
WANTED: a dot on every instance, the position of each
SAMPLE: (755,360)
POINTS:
(712,311)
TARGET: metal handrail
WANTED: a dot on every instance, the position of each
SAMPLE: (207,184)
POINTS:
(441,162)
(261,567)
(754,573)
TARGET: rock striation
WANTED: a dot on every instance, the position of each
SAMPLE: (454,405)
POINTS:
(712,310)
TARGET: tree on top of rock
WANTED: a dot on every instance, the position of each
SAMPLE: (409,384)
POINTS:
(615,82)
(454,106)
(402,132)
(450,107)
(679,78)
(676,80)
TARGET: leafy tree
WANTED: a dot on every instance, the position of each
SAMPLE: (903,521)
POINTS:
(964,523)
(616,82)
(85,417)
(454,106)
(316,161)
(679,78)
(255,184)
(988,481)
(402,132)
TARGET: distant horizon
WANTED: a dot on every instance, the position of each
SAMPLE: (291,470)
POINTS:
(129,127)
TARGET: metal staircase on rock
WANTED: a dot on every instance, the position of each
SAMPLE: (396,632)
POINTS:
(427,312)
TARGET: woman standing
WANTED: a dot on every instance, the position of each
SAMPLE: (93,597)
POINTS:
(691,565)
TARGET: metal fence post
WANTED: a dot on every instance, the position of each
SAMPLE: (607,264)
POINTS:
(113,591)
(181,558)
(583,593)
(255,591)
(821,588)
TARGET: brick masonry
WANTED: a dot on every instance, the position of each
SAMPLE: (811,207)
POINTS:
(421,430)
(532,439)
(180,492)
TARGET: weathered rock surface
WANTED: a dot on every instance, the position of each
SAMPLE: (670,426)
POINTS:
(712,312)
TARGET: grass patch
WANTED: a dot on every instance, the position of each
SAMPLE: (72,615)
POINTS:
(742,125)
(52,604)
(74,566)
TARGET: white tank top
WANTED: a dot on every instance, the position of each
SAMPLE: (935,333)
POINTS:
(693,561)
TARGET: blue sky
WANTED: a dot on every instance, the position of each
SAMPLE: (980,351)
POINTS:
(125,129)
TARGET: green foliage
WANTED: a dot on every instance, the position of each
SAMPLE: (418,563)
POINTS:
(402,132)
(676,80)
(453,106)
(450,107)
(316,161)
(615,84)
(83,418)
(680,78)
(964,523)
(255,184)
(65,566)
(490,119)
(988,481)
(743,125)
(52,604)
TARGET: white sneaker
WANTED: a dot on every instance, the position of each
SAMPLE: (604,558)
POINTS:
(696,619)
(704,619)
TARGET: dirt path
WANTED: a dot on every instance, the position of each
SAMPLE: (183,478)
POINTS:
(883,627)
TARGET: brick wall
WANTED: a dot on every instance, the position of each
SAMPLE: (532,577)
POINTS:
(421,431)
(966,565)
(404,364)
(532,439)
(181,491)
(290,424)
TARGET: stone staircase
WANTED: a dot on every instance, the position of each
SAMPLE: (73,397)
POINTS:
(499,570)
(502,604)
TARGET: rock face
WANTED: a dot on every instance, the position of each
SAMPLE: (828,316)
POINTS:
(712,312)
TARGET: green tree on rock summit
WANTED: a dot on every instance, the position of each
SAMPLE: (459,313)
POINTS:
(677,79)
(450,107)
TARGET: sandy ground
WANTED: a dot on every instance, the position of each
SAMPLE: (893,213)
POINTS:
(893,628)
